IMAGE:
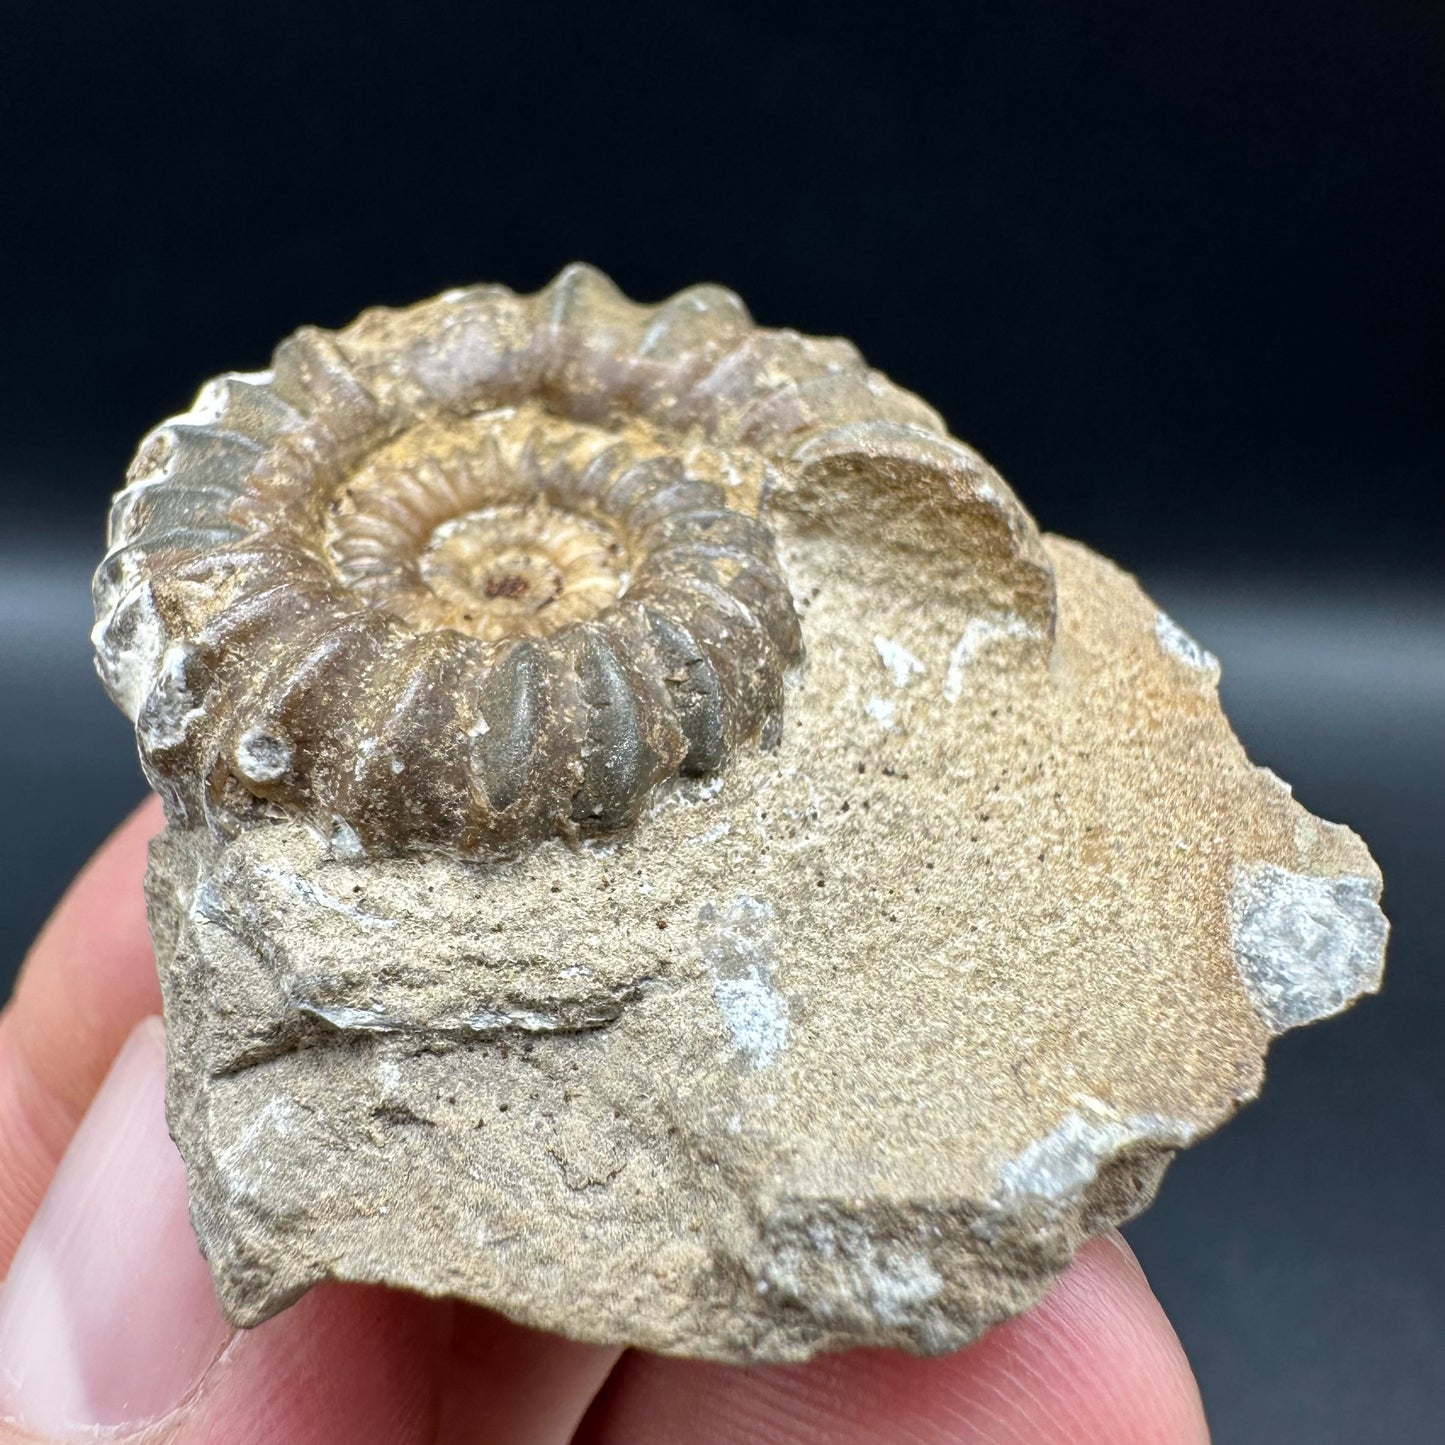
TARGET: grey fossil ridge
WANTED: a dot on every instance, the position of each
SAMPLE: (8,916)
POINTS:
(660,845)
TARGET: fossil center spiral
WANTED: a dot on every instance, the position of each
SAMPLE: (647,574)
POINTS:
(478,525)
(515,571)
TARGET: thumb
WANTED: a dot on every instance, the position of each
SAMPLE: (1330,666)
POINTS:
(109,1326)
(107,1316)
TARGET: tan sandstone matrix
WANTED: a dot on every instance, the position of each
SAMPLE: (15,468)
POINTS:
(660,845)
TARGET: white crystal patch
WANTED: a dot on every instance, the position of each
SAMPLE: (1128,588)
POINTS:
(902,666)
(1060,1166)
(1179,644)
(738,953)
(1306,947)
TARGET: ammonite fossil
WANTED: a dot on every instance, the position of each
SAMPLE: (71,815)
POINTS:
(660,844)
(530,566)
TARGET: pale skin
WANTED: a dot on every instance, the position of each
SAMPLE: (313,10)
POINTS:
(1097,1363)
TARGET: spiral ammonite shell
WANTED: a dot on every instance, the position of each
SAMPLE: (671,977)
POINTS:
(473,574)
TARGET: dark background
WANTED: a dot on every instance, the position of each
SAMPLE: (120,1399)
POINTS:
(1174,267)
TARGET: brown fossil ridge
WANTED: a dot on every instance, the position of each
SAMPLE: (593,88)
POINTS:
(659,844)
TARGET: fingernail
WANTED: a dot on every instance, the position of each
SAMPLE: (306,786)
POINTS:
(107,1317)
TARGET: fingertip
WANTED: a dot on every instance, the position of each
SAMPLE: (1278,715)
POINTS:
(104,905)
(1107,1363)
(107,1317)
(87,980)
(1096,1363)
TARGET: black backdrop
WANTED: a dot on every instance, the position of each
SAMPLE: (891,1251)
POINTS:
(1173,267)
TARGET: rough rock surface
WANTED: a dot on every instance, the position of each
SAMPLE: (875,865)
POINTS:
(754,1083)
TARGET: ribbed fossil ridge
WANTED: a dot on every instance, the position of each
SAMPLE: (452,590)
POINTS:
(484,570)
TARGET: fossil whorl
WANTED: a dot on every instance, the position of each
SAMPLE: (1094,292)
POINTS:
(491,568)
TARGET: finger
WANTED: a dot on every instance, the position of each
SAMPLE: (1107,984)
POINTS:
(107,1315)
(86,982)
(348,1365)
(108,1323)
(1096,1363)
(506,1383)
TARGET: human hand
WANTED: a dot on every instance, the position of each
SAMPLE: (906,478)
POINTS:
(107,1317)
